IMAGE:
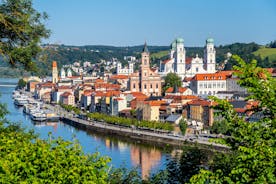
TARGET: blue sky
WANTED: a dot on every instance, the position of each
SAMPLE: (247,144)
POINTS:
(131,22)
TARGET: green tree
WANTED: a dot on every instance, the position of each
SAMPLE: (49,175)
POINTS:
(253,148)
(21,83)
(220,127)
(21,30)
(183,126)
(172,80)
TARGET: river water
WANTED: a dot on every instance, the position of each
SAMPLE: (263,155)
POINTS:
(147,158)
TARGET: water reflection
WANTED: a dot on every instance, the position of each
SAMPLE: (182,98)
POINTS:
(122,151)
(146,159)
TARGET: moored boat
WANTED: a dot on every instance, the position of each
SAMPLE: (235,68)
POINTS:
(37,116)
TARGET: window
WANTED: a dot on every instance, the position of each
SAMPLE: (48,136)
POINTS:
(209,85)
(222,85)
(134,86)
(200,85)
(214,85)
(156,86)
(205,85)
(218,85)
(196,69)
(145,86)
(151,86)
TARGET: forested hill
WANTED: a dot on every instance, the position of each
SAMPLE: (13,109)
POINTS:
(65,54)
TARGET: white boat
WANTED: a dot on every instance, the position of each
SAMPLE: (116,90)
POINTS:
(38,116)
(51,116)
(29,108)
(20,101)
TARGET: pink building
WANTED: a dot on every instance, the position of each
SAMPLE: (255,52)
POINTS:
(146,80)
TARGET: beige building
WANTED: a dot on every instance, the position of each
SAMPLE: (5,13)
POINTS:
(146,80)
(67,98)
(148,110)
(201,111)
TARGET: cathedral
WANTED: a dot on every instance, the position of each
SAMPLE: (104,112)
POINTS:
(188,67)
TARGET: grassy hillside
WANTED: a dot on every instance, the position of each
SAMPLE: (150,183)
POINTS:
(266,52)
(160,54)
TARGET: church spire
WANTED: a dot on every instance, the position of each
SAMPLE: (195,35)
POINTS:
(145,49)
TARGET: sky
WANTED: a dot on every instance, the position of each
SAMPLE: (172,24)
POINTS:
(158,22)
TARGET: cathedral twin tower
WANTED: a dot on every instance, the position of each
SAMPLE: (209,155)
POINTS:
(188,67)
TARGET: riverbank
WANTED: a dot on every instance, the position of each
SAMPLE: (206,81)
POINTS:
(142,136)
(132,133)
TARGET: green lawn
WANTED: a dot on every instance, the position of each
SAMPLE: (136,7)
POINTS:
(266,52)
(160,54)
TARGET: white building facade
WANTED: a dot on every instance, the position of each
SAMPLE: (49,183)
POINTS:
(208,84)
(125,70)
(177,62)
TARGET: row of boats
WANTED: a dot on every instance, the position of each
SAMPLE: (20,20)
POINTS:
(34,108)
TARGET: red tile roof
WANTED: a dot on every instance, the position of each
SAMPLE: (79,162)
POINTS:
(99,81)
(200,102)
(66,94)
(112,93)
(88,92)
(180,90)
(47,84)
(155,102)
(188,60)
(107,86)
(119,77)
(138,95)
(210,76)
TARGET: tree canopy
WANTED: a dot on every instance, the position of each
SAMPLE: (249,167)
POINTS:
(172,80)
(21,31)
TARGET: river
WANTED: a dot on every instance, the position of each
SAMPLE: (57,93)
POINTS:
(147,158)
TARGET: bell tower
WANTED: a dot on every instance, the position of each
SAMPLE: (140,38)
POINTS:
(54,72)
(145,60)
(210,56)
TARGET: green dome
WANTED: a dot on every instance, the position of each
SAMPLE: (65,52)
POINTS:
(210,40)
(179,40)
(173,45)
